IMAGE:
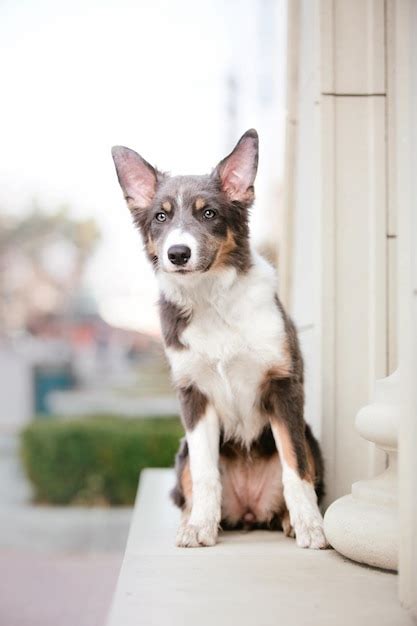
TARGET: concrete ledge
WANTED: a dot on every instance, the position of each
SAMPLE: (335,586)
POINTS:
(251,578)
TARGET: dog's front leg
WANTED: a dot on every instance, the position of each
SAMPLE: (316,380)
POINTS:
(199,526)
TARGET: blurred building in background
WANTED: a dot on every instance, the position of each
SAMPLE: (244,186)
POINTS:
(52,337)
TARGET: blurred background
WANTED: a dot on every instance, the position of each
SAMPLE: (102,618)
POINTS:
(85,395)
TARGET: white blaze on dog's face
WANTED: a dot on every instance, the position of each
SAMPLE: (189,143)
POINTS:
(192,223)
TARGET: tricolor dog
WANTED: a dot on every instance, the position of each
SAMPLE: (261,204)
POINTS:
(248,458)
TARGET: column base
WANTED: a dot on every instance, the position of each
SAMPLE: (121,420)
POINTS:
(363,531)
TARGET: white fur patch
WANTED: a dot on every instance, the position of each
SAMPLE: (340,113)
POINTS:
(305,517)
(181,238)
(203,446)
(235,334)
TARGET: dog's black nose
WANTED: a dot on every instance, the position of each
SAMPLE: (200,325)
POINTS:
(179,255)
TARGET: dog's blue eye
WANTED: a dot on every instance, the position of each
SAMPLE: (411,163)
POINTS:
(209,214)
(161,217)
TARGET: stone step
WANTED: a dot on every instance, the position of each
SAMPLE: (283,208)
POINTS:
(256,578)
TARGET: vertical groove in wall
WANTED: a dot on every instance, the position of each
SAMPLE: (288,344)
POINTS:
(334,292)
(387,190)
(286,251)
(329,295)
(391,208)
(387,196)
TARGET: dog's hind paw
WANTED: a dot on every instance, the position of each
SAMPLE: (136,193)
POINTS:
(192,536)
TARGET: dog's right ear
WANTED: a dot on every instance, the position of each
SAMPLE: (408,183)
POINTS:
(137,178)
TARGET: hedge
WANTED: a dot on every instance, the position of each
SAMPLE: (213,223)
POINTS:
(94,461)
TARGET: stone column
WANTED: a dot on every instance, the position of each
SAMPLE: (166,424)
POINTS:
(363,525)
(403,38)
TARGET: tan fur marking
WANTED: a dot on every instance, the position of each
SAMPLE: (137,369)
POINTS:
(286,524)
(312,474)
(151,247)
(182,382)
(280,370)
(187,485)
(200,203)
(227,246)
(280,430)
(167,206)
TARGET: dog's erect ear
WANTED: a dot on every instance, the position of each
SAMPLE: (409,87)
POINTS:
(137,177)
(237,171)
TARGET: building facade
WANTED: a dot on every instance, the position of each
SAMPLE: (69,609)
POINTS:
(351,271)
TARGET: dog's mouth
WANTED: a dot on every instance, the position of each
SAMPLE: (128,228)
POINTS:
(184,271)
(203,266)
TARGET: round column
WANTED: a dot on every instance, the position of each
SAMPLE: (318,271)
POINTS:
(363,525)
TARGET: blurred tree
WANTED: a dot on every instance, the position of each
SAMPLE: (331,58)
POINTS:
(42,259)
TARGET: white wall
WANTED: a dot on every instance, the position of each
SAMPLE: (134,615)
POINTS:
(303,293)
(403,49)
(339,289)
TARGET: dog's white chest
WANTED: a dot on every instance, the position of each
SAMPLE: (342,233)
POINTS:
(231,341)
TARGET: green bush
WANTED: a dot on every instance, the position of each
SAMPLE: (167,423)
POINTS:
(95,460)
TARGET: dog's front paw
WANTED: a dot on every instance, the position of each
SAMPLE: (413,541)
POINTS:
(309,532)
(193,536)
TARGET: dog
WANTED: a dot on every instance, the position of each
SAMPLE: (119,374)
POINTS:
(248,459)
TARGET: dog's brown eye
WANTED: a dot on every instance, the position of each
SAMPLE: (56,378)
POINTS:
(209,214)
(161,217)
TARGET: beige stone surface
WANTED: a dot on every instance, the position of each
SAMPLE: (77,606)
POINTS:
(352,42)
(251,578)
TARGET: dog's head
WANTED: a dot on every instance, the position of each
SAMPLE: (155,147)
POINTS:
(192,223)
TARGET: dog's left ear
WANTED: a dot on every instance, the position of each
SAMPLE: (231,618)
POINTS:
(237,171)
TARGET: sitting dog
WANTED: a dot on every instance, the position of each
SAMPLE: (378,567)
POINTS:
(248,458)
